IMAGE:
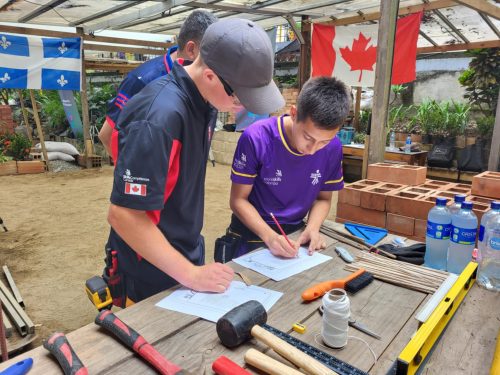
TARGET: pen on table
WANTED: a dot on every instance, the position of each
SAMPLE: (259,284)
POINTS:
(281,229)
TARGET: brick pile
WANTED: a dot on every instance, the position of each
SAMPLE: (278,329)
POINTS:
(400,202)
(7,124)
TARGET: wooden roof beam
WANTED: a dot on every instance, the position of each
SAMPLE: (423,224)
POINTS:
(490,24)
(482,6)
(459,47)
(374,16)
(152,10)
(40,10)
(105,13)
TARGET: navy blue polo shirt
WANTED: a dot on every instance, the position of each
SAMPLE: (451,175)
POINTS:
(162,152)
(136,80)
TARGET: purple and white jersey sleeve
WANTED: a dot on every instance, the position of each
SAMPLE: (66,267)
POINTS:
(245,161)
(335,178)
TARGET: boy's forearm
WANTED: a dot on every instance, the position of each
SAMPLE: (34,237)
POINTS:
(318,213)
(105,136)
(249,216)
(137,230)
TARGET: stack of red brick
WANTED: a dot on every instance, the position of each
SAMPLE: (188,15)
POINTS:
(7,124)
(399,197)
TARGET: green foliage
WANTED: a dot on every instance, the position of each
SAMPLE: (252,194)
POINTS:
(364,115)
(485,126)
(397,116)
(98,98)
(482,79)
(52,110)
(398,91)
(359,138)
(436,118)
(15,145)
(289,80)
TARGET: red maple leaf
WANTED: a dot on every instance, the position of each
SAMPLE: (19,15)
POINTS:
(135,189)
(359,57)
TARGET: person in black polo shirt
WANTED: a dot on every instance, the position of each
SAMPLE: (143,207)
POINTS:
(188,47)
(157,202)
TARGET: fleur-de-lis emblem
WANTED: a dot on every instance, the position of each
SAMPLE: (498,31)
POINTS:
(62,81)
(62,48)
(4,43)
(5,78)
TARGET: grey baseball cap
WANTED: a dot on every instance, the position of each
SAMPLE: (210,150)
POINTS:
(240,52)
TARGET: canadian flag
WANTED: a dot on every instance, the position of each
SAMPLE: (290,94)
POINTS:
(135,189)
(350,52)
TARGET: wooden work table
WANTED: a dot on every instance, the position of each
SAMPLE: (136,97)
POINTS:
(411,158)
(466,347)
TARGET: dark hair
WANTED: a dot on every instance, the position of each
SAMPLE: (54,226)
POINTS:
(324,100)
(194,27)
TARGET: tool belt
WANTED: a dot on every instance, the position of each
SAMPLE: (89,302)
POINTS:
(238,235)
(113,278)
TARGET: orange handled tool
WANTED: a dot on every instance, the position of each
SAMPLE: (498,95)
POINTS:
(352,283)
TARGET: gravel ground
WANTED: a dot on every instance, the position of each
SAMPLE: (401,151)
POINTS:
(60,166)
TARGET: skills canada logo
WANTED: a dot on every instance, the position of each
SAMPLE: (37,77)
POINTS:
(132,187)
(274,180)
(241,162)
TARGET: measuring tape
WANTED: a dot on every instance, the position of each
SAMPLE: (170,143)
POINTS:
(337,365)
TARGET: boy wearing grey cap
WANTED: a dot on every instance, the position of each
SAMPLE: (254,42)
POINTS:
(157,201)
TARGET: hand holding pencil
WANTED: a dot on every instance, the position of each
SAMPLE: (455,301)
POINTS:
(281,245)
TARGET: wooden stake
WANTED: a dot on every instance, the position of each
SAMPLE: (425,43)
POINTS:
(357,109)
(25,116)
(39,127)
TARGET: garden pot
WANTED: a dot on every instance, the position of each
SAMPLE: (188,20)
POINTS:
(426,138)
(416,138)
(401,136)
(8,167)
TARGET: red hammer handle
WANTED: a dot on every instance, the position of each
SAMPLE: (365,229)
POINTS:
(136,342)
(224,366)
(59,346)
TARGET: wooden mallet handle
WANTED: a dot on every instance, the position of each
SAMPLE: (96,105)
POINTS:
(294,355)
(267,364)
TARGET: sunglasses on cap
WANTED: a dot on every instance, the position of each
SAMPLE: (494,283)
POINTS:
(229,91)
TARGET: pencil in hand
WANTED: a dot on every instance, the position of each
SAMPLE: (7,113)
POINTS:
(281,230)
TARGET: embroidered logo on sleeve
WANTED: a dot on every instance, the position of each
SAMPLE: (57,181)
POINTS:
(135,189)
(241,162)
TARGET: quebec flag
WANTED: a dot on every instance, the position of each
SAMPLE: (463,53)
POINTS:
(33,62)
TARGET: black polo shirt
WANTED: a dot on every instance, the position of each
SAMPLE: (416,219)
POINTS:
(162,152)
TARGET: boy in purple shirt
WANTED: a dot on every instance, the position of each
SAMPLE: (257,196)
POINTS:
(289,166)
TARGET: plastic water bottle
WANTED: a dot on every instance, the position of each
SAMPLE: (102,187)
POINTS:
(490,214)
(457,204)
(489,267)
(392,140)
(462,239)
(408,144)
(438,235)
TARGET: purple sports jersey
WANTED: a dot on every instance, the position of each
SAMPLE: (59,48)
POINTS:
(285,182)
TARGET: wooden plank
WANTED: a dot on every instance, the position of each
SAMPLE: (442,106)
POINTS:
(38,126)
(122,68)
(357,108)
(33,31)
(85,105)
(25,115)
(13,286)
(383,74)
(459,47)
(107,47)
(305,53)
(7,324)
(483,7)
(29,324)
(377,301)
(493,160)
(13,314)
(374,16)
(134,42)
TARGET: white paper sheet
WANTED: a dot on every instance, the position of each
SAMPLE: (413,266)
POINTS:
(211,306)
(278,268)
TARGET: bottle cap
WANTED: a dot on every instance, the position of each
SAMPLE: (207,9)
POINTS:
(495,205)
(459,198)
(467,205)
(440,201)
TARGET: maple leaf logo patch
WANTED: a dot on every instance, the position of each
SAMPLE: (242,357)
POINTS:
(360,56)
